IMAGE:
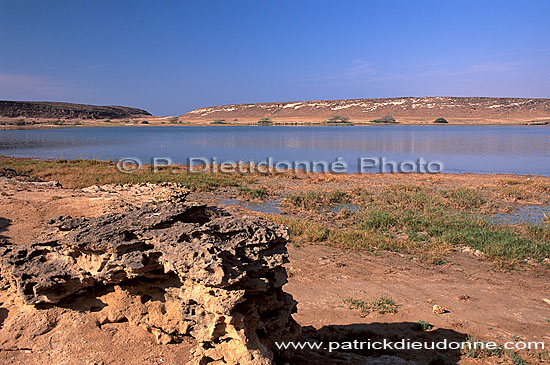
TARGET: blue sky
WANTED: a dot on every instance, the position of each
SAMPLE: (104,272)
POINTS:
(173,56)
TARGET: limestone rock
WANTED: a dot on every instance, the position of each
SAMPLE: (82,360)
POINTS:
(437,309)
(176,268)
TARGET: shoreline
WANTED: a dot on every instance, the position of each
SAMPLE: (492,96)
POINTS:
(181,168)
(41,127)
(10,124)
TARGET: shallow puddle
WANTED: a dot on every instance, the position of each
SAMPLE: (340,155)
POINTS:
(531,214)
(269,206)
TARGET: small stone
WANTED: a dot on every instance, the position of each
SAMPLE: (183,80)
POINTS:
(437,309)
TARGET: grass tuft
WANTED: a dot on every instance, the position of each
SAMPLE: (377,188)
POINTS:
(420,221)
(477,350)
(313,200)
(249,193)
(381,305)
(422,326)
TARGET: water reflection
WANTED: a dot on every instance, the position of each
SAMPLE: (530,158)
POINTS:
(473,140)
(491,149)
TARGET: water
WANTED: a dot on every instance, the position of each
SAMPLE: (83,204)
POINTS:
(530,214)
(270,206)
(478,149)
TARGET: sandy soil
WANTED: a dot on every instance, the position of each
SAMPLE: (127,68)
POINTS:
(482,301)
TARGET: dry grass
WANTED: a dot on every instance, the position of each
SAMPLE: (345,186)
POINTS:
(83,173)
(429,221)
(313,200)
(381,305)
(426,222)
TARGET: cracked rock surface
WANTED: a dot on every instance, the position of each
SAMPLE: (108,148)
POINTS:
(177,269)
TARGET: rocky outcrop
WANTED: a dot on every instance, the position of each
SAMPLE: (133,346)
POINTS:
(50,110)
(180,270)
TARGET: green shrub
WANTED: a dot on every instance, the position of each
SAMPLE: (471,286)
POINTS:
(422,326)
(265,121)
(388,119)
(336,119)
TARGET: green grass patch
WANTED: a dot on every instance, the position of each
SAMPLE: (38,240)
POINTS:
(307,231)
(437,227)
(380,305)
(464,198)
(516,359)
(476,349)
(418,221)
(449,219)
(252,193)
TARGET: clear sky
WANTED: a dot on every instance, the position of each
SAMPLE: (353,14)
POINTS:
(173,56)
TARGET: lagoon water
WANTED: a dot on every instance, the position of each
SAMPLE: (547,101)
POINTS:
(478,149)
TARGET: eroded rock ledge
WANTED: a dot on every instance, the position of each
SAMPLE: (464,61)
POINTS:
(178,269)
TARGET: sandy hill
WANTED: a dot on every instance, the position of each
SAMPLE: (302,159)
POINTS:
(403,109)
(43,109)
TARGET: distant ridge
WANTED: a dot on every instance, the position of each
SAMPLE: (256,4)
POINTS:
(365,109)
(45,109)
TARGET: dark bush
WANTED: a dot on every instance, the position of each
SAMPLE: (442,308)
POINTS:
(388,119)
(336,119)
